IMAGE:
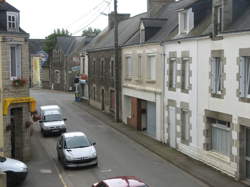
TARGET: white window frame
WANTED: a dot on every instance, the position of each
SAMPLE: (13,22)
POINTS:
(217,126)
(185,125)
(174,73)
(129,66)
(15,21)
(186,64)
(151,67)
(216,72)
(18,62)
(245,77)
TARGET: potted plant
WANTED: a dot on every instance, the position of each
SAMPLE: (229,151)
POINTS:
(20,82)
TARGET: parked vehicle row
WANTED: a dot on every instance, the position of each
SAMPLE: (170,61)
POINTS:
(75,149)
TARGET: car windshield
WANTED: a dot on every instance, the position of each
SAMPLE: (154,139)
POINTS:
(52,115)
(2,159)
(76,142)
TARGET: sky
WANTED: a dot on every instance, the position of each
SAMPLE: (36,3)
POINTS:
(39,18)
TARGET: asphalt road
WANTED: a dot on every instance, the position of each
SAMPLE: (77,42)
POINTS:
(118,155)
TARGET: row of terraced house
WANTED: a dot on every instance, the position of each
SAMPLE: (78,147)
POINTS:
(183,77)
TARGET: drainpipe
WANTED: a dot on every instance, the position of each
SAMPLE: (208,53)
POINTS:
(1,104)
(163,92)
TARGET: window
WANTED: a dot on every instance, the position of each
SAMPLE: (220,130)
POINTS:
(221,137)
(172,72)
(12,21)
(184,125)
(129,67)
(183,22)
(151,67)
(139,72)
(245,77)
(112,68)
(102,68)
(216,78)
(218,23)
(94,63)
(15,61)
(185,73)
(57,77)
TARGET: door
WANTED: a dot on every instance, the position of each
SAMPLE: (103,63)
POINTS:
(103,100)
(16,133)
(247,153)
(151,119)
(172,127)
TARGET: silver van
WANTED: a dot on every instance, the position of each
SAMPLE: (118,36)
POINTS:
(52,121)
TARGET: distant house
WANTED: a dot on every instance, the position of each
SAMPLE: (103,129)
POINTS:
(17,103)
(65,62)
(38,58)
(101,63)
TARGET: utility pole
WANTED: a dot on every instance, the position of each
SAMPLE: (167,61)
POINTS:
(117,73)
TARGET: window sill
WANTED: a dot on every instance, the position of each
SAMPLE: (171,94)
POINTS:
(128,79)
(219,156)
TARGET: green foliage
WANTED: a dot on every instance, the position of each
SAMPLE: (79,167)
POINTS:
(90,32)
(50,41)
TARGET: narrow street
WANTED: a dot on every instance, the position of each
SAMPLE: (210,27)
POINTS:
(117,154)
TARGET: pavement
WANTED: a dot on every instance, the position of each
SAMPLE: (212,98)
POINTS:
(197,169)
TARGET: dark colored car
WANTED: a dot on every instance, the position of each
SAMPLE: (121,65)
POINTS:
(15,170)
(123,181)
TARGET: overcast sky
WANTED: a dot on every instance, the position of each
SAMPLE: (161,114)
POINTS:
(41,17)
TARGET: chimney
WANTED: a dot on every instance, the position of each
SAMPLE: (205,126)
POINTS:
(120,17)
(1,1)
(153,6)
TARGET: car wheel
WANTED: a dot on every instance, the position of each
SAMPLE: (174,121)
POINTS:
(58,157)
(64,164)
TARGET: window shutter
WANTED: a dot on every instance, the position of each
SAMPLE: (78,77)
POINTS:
(153,68)
(187,69)
(213,75)
(18,61)
(242,77)
(183,73)
(170,73)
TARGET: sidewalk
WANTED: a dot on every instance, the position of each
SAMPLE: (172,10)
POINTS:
(206,174)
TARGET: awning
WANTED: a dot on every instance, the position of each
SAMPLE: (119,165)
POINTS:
(8,101)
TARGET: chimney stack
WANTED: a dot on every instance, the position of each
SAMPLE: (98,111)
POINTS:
(120,17)
(1,1)
(153,6)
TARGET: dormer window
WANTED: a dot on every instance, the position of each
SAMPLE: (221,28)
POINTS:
(218,19)
(186,21)
(142,33)
(12,21)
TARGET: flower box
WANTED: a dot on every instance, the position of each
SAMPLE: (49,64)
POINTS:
(19,82)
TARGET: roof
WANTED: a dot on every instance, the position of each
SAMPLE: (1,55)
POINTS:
(126,29)
(124,181)
(170,14)
(241,24)
(4,6)
(71,44)
(36,45)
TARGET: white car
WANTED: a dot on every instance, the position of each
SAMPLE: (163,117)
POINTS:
(51,120)
(74,149)
(15,170)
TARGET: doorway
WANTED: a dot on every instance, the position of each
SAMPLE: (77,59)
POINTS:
(16,133)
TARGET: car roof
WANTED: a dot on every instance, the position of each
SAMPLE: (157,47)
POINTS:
(123,181)
(49,107)
(72,134)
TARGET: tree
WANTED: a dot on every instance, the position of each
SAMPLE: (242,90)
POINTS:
(50,41)
(90,32)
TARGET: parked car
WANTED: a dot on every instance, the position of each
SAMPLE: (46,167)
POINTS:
(15,170)
(51,120)
(128,181)
(74,149)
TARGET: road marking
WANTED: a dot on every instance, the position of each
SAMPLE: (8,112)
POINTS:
(60,176)
(45,171)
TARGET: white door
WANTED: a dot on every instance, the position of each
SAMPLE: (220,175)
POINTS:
(172,127)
